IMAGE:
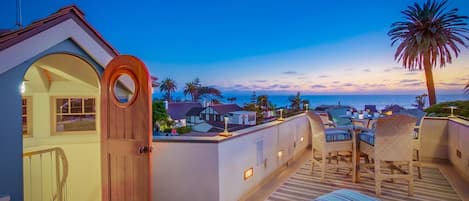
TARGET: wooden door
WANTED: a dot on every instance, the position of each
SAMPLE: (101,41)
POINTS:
(126,131)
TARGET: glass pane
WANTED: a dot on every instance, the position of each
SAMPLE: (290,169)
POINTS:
(25,125)
(61,105)
(124,88)
(76,105)
(90,106)
(75,123)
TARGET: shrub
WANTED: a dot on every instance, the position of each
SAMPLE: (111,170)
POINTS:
(442,110)
(183,130)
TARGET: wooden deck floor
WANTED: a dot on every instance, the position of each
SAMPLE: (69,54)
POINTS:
(440,182)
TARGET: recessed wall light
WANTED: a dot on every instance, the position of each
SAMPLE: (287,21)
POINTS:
(248,173)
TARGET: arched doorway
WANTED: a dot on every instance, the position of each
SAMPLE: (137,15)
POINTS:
(61,129)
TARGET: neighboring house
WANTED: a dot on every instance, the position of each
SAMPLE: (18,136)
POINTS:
(177,111)
(217,112)
(242,117)
(193,116)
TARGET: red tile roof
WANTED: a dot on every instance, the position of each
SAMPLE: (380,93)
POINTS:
(8,39)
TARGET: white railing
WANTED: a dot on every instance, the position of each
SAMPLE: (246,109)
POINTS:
(45,174)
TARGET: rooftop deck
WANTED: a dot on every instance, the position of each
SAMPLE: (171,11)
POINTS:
(278,155)
(440,182)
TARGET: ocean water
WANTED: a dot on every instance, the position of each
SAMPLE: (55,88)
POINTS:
(357,101)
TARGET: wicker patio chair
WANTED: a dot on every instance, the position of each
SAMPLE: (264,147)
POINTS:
(327,141)
(417,137)
(390,146)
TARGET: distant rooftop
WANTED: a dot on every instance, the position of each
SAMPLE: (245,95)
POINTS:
(178,110)
(225,108)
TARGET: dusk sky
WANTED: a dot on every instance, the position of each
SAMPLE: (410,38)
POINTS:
(317,47)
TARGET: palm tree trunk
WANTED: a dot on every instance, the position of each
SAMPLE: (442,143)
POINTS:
(429,79)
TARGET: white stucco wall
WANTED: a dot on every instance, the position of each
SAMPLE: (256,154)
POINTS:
(185,171)
(241,153)
(434,139)
(458,140)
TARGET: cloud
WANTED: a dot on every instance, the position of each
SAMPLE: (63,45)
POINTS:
(367,70)
(349,69)
(303,78)
(375,85)
(408,81)
(336,82)
(290,73)
(348,85)
(410,73)
(281,86)
(395,68)
(318,86)
(323,76)
(260,81)
(451,84)
(412,84)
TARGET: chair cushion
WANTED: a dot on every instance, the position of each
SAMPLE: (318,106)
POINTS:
(368,137)
(334,135)
(345,194)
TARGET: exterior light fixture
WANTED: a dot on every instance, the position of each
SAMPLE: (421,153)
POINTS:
(452,111)
(281,115)
(22,87)
(302,139)
(280,154)
(225,132)
(306,107)
(248,173)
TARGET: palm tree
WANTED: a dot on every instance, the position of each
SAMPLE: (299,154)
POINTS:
(295,101)
(263,102)
(428,37)
(168,86)
(467,88)
(191,88)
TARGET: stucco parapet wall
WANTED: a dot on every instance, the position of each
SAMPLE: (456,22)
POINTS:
(460,121)
(219,139)
(453,119)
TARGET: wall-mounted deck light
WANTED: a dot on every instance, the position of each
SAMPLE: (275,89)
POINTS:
(22,87)
(452,110)
(280,154)
(248,173)
(280,118)
(225,132)
(302,139)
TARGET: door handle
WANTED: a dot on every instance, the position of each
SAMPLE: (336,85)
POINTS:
(144,149)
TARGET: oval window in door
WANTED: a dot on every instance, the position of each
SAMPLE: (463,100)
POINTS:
(124,89)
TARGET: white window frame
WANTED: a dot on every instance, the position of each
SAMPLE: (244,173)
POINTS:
(29,116)
(55,114)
